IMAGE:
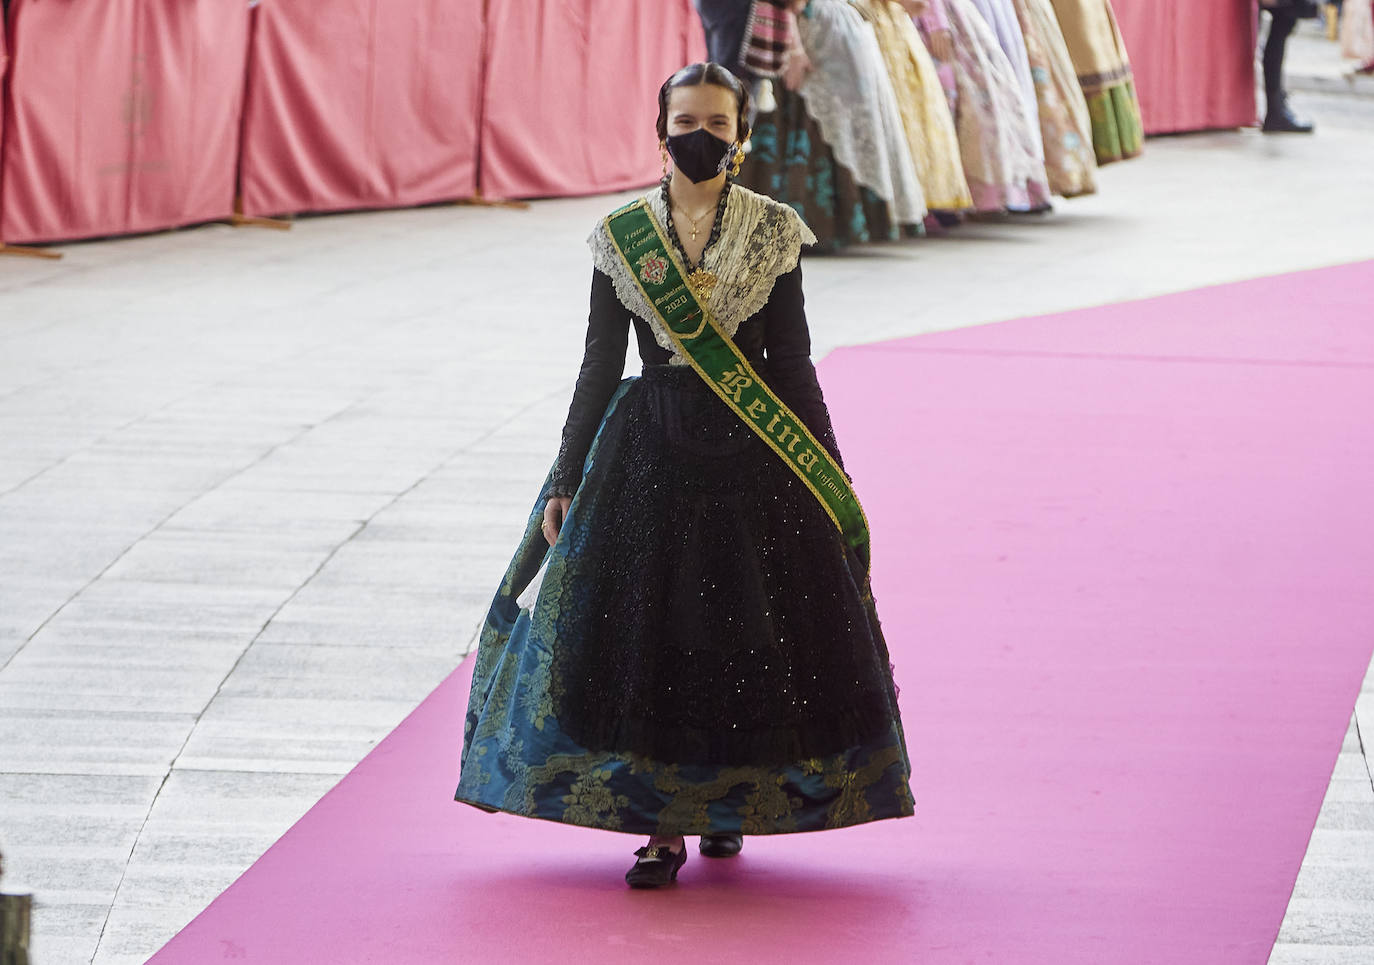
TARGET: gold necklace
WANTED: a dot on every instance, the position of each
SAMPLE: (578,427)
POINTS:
(695,222)
(701,281)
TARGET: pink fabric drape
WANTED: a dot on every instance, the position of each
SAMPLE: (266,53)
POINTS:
(571,92)
(361,104)
(1193,61)
(4,84)
(123,116)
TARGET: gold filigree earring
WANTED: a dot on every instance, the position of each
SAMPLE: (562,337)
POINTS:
(739,159)
(663,150)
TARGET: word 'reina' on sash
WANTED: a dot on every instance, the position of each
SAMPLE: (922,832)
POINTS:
(641,244)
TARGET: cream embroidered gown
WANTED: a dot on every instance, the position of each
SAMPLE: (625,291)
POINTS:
(925,112)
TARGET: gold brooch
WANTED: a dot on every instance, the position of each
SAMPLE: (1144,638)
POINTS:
(702,283)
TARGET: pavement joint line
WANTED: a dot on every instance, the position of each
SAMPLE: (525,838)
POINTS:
(162,292)
(362,526)
(95,442)
(1364,750)
(157,526)
(190,730)
(191,392)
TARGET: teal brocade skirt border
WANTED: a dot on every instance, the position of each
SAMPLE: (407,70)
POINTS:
(516,759)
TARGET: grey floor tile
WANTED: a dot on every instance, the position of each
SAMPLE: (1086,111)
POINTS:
(1347,815)
(46,742)
(193,558)
(338,672)
(1286,954)
(234,801)
(1340,882)
(1327,921)
(139,643)
(57,919)
(63,950)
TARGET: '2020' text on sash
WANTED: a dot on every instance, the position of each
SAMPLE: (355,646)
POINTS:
(653,264)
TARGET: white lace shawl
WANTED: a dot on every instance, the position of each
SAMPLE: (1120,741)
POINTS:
(760,239)
(850,97)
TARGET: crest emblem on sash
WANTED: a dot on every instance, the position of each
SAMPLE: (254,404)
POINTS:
(653,268)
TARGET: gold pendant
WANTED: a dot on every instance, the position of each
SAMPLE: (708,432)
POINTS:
(702,283)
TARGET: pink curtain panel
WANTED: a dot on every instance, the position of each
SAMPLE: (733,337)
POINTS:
(362,104)
(570,92)
(123,116)
(1193,62)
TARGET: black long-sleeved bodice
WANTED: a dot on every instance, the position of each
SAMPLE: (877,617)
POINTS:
(775,340)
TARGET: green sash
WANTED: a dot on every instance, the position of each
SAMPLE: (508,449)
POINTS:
(653,264)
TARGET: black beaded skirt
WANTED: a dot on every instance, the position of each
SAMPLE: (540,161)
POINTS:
(699,653)
(717,616)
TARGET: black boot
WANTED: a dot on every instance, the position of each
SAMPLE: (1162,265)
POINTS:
(1279,119)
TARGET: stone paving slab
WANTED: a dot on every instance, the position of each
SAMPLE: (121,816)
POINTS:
(1328,921)
(421,626)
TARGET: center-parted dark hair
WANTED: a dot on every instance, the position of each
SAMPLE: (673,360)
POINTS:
(696,74)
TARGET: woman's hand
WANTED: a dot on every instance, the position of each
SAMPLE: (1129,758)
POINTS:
(555,511)
(795,68)
(942,46)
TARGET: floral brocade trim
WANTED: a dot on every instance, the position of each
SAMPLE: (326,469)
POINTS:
(588,788)
(584,791)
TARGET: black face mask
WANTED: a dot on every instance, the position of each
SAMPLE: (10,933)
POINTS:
(700,155)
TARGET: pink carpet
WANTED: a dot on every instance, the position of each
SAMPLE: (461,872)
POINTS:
(1123,557)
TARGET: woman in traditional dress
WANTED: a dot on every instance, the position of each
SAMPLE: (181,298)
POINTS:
(998,147)
(1001,17)
(921,98)
(1104,73)
(701,654)
(829,139)
(1065,127)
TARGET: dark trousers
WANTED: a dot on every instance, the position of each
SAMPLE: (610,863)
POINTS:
(1282,20)
(725,21)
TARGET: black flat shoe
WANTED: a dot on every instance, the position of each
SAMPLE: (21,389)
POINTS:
(1282,120)
(721,845)
(656,867)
